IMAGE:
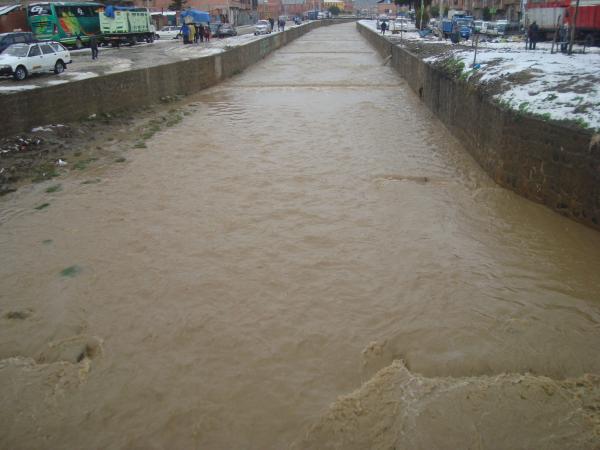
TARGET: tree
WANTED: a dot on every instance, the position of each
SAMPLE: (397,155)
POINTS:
(177,5)
(486,14)
(334,10)
(418,23)
(408,3)
(434,11)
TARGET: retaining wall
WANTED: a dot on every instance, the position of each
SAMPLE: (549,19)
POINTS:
(134,88)
(550,163)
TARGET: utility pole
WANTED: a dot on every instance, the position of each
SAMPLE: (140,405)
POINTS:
(573,28)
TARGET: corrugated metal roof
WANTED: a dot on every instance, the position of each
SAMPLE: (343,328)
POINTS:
(6,9)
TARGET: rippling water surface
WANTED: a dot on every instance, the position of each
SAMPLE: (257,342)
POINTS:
(310,223)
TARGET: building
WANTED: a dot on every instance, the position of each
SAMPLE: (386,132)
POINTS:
(510,10)
(238,12)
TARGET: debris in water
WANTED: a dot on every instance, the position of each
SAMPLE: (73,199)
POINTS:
(42,206)
(61,163)
(71,271)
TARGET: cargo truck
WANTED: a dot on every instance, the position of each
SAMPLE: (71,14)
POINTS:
(123,24)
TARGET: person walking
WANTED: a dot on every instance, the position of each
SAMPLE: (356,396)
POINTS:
(94,46)
(196,33)
(383,27)
(532,35)
(207,33)
(282,24)
(272,22)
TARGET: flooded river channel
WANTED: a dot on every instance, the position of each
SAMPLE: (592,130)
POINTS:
(308,260)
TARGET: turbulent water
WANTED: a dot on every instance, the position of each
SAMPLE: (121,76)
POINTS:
(309,259)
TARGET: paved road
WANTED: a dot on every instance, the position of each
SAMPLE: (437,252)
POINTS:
(112,60)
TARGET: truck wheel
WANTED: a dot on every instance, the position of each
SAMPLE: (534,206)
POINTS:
(59,67)
(20,74)
(156,37)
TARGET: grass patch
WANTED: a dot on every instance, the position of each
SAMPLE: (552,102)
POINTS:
(80,165)
(94,181)
(550,97)
(174,121)
(44,172)
(140,144)
(71,271)
(47,241)
(120,160)
(55,188)
(42,206)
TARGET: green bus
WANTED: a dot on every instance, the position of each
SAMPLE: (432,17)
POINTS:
(64,21)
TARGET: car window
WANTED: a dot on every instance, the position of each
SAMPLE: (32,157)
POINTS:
(57,47)
(19,39)
(16,50)
(46,49)
(34,51)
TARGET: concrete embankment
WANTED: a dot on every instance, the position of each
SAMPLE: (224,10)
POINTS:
(135,88)
(550,163)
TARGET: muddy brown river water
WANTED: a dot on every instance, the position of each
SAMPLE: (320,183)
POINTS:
(308,260)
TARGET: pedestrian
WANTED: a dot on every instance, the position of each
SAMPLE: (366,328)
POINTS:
(272,22)
(282,24)
(196,34)
(94,46)
(564,38)
(207,33)
(532,35)
(185,32)
(383,26)
(78,41)
(201,32)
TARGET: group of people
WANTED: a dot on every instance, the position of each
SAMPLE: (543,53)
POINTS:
(280,24)
(194,33)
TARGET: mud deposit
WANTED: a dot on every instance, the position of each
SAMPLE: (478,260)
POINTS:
(303,258)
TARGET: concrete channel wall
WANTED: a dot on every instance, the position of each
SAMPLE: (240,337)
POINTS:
(135,88)
(550,163)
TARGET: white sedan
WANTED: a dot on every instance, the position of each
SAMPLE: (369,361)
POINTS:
(21,60)
(262,27)
(168,33)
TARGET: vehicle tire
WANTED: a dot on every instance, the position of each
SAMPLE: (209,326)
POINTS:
(20,73)
(156,37)
(59,67)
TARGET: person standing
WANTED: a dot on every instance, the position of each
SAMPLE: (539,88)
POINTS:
(272,22)
(196,33)
(533,35)
(185,32)
(201,32)
(383,26)
(207,33)
(94,46)
(282,24)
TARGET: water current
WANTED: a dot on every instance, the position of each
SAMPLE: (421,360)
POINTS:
(309,259)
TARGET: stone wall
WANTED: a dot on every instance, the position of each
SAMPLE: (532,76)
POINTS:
(550,163)
(135,88)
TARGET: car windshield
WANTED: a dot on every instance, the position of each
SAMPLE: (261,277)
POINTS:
(262,22)
(17,50)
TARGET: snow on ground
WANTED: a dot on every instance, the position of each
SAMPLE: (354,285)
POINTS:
(20,87)
(553,86)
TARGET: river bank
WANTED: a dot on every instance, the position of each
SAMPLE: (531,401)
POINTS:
(552,162)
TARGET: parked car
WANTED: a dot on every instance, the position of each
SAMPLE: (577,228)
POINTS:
(169,32)
(21,60)
(17,37)
(262,27)
(222,30)
(401,24)
(297,20)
